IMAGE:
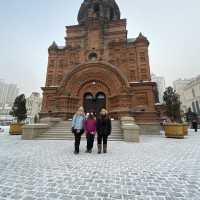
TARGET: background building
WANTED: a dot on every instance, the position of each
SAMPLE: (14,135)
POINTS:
(189,91)
(160,85)
(5,109)
(33,105)
(8,93)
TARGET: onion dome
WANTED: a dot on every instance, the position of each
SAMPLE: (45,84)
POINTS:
(102,10)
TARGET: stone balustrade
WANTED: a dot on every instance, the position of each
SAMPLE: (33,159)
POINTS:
(51,121)
(130,130)
(32,131)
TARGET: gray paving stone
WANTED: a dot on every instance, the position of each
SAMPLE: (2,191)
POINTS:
(79,198)
(89,194)
(155,169)
(28,198)
(52,196)
(116,196)
(101,194)
(16,197)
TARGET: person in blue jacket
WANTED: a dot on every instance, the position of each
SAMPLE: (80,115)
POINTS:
(78,128)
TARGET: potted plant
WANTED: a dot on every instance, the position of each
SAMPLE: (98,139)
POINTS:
(174,127)
(20,113)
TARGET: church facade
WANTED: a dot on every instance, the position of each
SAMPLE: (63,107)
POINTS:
(100,67)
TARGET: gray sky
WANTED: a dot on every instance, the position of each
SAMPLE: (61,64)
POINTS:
(28,27)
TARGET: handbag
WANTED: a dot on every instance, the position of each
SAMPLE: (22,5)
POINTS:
(73,130)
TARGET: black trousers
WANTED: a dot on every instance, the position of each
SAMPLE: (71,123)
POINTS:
(77,142)
(90,141)
(103,138)
(195,126)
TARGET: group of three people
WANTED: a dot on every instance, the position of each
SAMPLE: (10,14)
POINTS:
(91,126)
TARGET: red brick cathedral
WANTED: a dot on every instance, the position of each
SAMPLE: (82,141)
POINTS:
(100,67)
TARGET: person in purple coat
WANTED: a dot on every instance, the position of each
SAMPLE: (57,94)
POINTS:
(90,130)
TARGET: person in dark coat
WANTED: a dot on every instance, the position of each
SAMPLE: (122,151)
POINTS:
(192,119)
(104,128)
(195,122)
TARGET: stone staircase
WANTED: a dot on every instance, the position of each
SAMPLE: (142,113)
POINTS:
(62,131)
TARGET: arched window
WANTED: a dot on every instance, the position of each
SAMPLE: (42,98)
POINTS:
(88,96)
(100,95)
(92,56)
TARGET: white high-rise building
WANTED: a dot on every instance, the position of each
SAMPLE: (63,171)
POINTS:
(8,93)
(33,105)
(160,85)
(189,91)
(180,84)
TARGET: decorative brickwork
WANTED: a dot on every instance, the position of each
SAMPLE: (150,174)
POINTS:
(98,57)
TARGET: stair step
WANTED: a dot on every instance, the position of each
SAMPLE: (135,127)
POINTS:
(62,131)
(71,135)
(71,139)
(65,138)
(63,134)
(70,126)
(69,131)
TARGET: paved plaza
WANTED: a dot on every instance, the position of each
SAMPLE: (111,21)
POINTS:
(156,169)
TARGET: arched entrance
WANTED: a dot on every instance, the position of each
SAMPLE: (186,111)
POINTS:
(94,72)
(94,103)
(86,83)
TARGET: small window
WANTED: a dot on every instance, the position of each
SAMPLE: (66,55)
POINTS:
(142,57)
(132,75)
(193,93)
(111,14)
(97,9)
(100,96)
(194,107)
(92,56)
(197,106)
(88,96)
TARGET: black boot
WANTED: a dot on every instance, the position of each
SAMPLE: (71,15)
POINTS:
(105,148)
(99,148)
(76,152)
(90,151)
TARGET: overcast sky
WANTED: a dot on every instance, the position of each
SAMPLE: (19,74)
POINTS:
(28,27)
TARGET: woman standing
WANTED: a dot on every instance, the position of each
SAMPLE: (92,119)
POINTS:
(90,129)
(103,130)
(78,128)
